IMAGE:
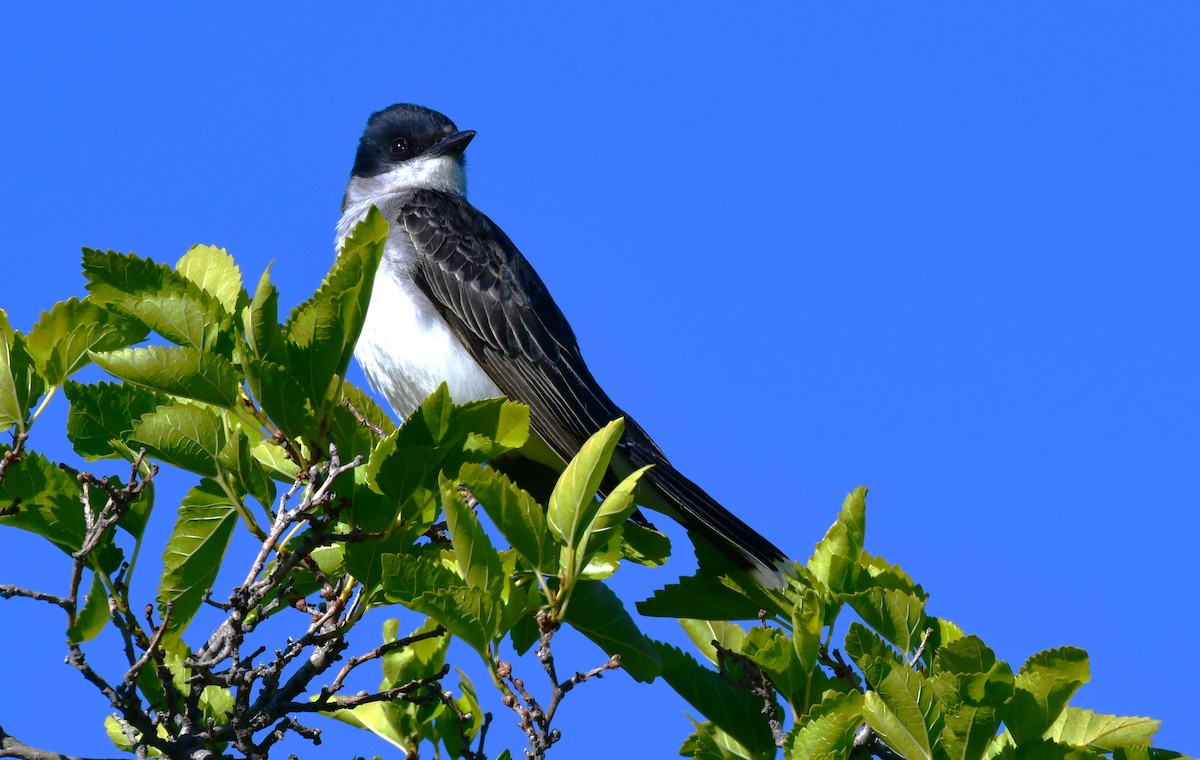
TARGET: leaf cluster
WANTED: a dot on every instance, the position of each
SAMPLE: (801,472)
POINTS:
(355,513)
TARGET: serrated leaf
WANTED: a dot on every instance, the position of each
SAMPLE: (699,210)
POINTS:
(979,679)
(163,300)
(896,615)
(477,559)
(46,502)
(514,512)
(968,732)
(1105,732)
(1044,685)
(280,396)
(193,555)
(871,653)
(902,710)
(597,613)
(103,414)
(186,436)
(20,383)
(245,472)
(701,597)
(351,436)
(90,620)
(322,331)
(835,561)
(573,502)
(213,270)
(733,710)
(427,587)
(807,624)
(62,338)
(177,370)
(827,731)
(645,546)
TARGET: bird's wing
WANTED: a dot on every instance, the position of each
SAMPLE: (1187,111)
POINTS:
(500,309)
(496,304)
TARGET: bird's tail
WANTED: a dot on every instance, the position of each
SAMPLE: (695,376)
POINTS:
(695,509)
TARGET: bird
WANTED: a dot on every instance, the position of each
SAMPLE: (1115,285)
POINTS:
(455,301)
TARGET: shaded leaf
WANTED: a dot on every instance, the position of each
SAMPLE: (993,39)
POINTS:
(597,613)
(90,620)
(514,512)
(103,414)
(701,597)
(47,503)
(733,710)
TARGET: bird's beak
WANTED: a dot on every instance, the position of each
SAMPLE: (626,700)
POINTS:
(453,145)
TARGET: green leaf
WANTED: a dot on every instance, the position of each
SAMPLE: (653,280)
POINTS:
(90,620)
(477,559)
(260,322)
(1104,732)
(20,384)
(194,551)
(807,624)
(46,501)
(871,653)
(61,340)
(827,731)
(1044,685)
(708,742)
(704,632)
(896,615)
(573,502)
(103,414)
(834,563)
(609,521)
(427,587)
(245,472)
(186,436)
(515,513)
(902,710)
(350,435)
(597,613)
(322,331)
(733,710)
(177,370)
(163,300)
(213,270)
(645,546)
(280,396)
(702,597)
(978,677)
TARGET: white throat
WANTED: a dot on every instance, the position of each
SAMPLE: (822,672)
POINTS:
(442,173)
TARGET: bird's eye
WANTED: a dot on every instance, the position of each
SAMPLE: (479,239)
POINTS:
(398,147)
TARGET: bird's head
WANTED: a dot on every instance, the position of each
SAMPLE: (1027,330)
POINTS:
(408,147)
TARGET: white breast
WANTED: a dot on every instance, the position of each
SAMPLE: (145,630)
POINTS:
(407,350)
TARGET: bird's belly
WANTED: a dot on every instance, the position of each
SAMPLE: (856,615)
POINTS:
(406,350)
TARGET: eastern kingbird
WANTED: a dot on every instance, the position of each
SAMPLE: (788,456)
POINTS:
(455,301)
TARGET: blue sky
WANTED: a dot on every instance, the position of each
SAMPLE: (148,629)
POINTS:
(945,251)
